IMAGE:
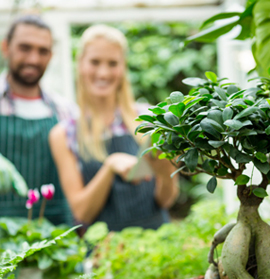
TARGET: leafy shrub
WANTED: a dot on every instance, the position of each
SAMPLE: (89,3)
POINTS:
(175,250)
(17,236)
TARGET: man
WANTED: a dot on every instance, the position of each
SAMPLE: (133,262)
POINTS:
(27,114)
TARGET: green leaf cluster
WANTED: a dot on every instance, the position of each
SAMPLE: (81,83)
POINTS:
(254,22)
(216,124)
(56,250)
(176,250)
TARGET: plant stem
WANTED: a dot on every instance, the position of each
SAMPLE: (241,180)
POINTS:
(42,209)
(30,213)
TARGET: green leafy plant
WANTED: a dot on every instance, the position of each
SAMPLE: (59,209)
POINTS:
(176,250)
(9,259)
(19,239)
(218,129)
(254,22)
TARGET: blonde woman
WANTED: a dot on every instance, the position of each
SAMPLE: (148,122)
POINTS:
(95,153)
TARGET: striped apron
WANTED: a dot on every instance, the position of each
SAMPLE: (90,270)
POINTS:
(127,204)
(25,143)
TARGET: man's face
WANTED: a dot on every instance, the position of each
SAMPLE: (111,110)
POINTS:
(28,54)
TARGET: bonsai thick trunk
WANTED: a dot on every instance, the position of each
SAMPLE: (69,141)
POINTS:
(247,246)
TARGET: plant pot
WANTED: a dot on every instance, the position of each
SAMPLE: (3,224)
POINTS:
(30,272)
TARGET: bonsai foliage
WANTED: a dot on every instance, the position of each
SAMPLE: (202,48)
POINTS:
(218,129)
(254,22)
(212,125)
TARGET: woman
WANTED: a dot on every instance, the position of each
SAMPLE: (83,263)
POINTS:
(95,153)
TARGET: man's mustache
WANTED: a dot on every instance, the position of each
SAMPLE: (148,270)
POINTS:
(30,66)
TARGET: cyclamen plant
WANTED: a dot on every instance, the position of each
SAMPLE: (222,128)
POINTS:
(218,129)
(47,191)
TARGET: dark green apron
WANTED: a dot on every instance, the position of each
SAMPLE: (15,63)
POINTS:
(25,143)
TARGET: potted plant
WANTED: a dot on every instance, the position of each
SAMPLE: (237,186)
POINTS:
(218,129)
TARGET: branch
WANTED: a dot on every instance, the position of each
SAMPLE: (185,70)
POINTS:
(264,182)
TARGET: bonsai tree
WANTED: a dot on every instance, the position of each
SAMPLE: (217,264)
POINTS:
(218,129)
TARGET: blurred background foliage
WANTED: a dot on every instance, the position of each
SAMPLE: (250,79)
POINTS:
(155,61)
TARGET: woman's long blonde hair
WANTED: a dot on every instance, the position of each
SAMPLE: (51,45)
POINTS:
(90,135)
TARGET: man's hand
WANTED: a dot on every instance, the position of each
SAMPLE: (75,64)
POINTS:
(10,178)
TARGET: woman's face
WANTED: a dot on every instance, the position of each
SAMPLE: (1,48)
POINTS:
(102,68)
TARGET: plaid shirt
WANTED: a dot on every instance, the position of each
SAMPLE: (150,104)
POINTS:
(64,109)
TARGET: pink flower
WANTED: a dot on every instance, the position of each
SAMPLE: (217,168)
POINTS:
(33,195)
(29,204)
(47,191)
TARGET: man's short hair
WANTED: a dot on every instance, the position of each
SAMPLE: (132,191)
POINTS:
(33,20)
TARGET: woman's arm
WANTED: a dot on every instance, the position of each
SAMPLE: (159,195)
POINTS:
(85,201)
(167,188)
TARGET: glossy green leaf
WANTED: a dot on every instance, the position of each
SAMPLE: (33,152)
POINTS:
(246,112)
(227,114)
(242,179)
(177,109)
(161,119)
(147,118)
(211,76)
(242,158)
(231,89)
(194,81)
(211,34)
(182,129)
(267,130)
(202,144)
(222,171)
(209,165)
(220,16)
(212,184)
(220,104)
(215,143)
(214,124)
(262,167)
(176,97)
(203,91)
(236,124)
(262,157)
(221,92)
(259,192)
(191,159)
(171,118)
(207,126)
(157,110)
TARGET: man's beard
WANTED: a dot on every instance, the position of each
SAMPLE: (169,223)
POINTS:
(29,82)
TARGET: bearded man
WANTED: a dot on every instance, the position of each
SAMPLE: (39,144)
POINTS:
(27,114)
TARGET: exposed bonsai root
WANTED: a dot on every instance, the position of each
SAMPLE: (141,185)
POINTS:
(219,237)
(262,249)
(212,272)
(235,252)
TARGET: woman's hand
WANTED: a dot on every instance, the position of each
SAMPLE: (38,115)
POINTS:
(121,163)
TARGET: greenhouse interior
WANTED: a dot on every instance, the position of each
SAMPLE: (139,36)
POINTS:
(134,139)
